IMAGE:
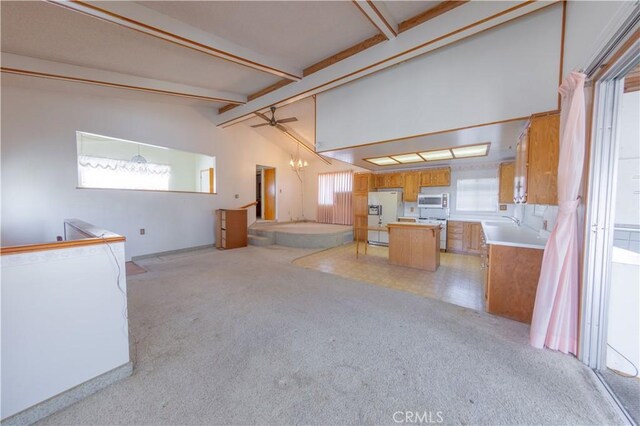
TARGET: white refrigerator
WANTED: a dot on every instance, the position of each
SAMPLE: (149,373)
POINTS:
(384,207)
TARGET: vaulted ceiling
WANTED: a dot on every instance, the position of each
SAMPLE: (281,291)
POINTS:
(238,57)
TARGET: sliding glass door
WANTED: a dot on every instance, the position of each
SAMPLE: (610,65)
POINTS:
(610,331)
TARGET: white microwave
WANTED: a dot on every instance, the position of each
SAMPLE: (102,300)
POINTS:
(433,201)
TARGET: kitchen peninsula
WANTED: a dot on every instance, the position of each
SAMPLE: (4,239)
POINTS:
(415,245)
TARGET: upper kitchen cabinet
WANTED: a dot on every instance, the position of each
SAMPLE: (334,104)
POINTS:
(536,168)
(507,173)
(436,177)
(362,183)
(389,180)
(411,186)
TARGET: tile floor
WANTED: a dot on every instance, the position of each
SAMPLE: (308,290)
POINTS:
(458,280)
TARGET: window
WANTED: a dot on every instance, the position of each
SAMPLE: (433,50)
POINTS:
(105,162)
(334,198)
(478,195)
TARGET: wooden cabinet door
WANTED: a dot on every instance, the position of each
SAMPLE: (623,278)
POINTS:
(472,237)
(361,183)
(395,180)
(507,174)
(441,177)
(425,178)
(411,187)
(543,152)
(381,181)
(360,206)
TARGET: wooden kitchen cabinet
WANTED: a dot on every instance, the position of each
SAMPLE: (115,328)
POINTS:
(536,168)
(362,183)
(507,173)
(512,281)
(455,231)
(389,180)
(464,237)
(436,177)
(411,187)
(472,237)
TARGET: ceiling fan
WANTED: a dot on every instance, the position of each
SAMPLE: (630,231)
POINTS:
(272,121)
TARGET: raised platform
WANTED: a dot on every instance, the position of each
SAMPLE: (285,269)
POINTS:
(300,234)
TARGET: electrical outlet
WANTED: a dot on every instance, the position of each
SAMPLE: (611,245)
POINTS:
(142,231)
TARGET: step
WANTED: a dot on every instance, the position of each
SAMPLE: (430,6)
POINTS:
(256,240)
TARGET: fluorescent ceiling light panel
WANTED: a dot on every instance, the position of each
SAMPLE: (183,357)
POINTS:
(443,154)
(382,161)
(407,158)
(471,151)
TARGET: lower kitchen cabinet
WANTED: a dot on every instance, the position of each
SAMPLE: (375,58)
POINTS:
(464,237)
(512,281)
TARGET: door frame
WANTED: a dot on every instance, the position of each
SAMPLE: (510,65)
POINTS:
(262,169)
(599,210)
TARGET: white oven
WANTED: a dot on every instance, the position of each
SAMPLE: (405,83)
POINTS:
(443,229)
(433,201)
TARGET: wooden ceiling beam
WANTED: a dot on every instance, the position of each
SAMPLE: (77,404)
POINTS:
(429,14)
(143,19)
(379,18)
(32,67)
(476,17)
(372,41)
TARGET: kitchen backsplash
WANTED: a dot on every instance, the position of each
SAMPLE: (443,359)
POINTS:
(535,215)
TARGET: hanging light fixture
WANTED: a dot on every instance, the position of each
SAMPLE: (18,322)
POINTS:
(139,159)
(296,162)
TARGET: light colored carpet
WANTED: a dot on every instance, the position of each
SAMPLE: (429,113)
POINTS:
(245,337)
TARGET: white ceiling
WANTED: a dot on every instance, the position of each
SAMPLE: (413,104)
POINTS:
(295,33)
(46,31)
(503,138)
(298,32)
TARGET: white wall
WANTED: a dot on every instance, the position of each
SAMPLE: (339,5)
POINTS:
(39,176)
(63,321)
(507,72)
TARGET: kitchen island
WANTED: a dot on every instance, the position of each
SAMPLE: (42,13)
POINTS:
(415,245)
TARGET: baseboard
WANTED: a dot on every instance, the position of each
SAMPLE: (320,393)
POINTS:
(170,252)
(69,397)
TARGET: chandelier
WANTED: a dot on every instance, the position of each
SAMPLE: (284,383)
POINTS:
(296,162)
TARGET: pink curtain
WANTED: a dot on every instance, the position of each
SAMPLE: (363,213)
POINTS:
(555,314)
(334,198)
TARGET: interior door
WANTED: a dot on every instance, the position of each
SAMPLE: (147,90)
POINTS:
(269,185)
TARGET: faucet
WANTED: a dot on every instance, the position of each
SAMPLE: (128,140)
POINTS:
(514,219)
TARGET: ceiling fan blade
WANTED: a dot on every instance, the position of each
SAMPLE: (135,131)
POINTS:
(288,120)
(260,125)
(264,117)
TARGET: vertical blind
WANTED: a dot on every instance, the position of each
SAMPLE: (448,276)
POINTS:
(334,198)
